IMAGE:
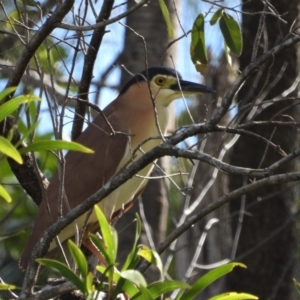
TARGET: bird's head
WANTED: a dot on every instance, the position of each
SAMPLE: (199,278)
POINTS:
(165,84)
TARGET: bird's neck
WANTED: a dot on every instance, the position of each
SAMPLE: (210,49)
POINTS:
(147,127)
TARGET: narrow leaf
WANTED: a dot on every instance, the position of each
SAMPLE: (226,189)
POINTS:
(108,237)
(89,283)
(99,244)
(4,194)
(79,258)
(167,18)
(106,271)
(209,278)
(145,295)
(6,92)
(152,257)
(7,148)
(63,270)
(55,145)
(134,276)
(216,16)
(131,261)
(10,106)
(232,34)
(157,289)
(198,40)
(5,287)
(234,296)
(129,288)
(198,48)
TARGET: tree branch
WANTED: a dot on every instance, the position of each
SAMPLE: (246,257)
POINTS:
(105,23)
(88,68)
(228,98)
(36,41)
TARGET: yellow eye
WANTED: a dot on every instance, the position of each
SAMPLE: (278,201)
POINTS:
(160,81)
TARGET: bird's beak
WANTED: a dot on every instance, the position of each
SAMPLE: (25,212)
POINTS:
(188,87)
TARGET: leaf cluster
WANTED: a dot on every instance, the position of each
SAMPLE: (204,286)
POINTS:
(128,279)
(230,30)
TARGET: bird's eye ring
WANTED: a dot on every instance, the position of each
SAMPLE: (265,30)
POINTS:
(160,81)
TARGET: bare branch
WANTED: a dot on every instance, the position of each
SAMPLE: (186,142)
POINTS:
(105,23)
(37,40)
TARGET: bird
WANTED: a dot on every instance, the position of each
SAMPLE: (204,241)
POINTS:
(127,123)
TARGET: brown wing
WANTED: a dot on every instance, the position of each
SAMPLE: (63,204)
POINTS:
(84,173)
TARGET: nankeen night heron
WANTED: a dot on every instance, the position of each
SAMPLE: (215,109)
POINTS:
(132,117)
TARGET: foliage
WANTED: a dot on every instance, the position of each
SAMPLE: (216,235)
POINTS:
(12,151)
(230,30)
(128,279)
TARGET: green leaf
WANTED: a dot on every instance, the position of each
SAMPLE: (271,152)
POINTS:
(63,270)
(10,106)
(129,288)
(99,244)
(5,287)
(7,92)
(157,289)
(297,285)
(33,112)
(79,258)
(106,272)
(9,149)
(135,277)
(153,257)
(145,295)
(4,194)
(167,18)
(107,235)
(198,48)
(198,41)
(131,261)
(89,283)
(209,278)
(234,296)
(55,145)
(232,34)
(216,16)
